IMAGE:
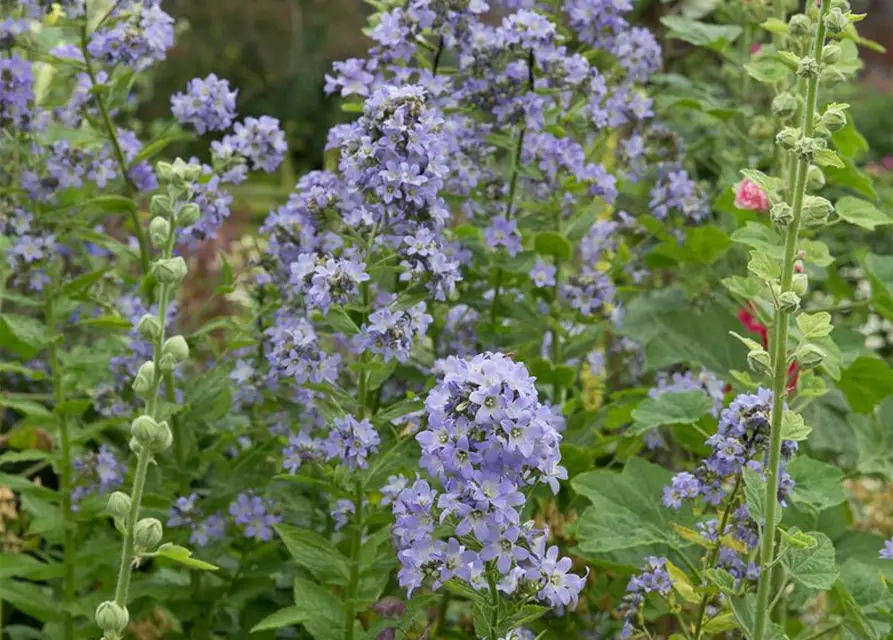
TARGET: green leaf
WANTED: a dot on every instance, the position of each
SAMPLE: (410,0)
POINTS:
(744,610)
(852,177)
(814,568)
(793,427)
(763,266)
(626,509)
(774,25)
(83,282)
(399,409)
(111,203)
(287,617)
(20,565)
(828,158)
(861,213)
(670,408)
(767,70)
(32,600)
(849,141)
(341,322)
(865,383)
(746,288)
(158,145)
(765,182)
(874,440)
(796,539)
(816,252)
(183,556)
(700,33)
(316,554)
(815,325)
(818,484)
(25,407)
(755,492)
(22,335)
(760,237)
(552,243)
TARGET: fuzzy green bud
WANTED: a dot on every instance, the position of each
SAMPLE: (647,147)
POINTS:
(815,178)
(159,232)
(781,214)
(788,302)
(188,214)
(834,119)
(799,25)
(805,148)
(831,54)
(176,346)
(799,283)
(147,535)
(111,618)
(156,436)
(784,105)
(149,327)
(160,206)
(164,171)
(843,5)
(836,22)
(832,77)
(809,356)
(787,138)
(760,362)
(808,67)
(816,210)
(761,129)
(119,504)
(145,378)
(169,271)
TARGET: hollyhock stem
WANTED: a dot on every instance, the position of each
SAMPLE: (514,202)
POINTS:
(780,377)
(64,464)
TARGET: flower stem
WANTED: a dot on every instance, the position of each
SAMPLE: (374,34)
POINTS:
(64,466)
(355,547)
(780,364)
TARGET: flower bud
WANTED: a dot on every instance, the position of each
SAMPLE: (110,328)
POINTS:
(159,232)
(155,436)
(188,214)
(145,378)
(166,364)
(176,346)
(832,77)
(787,138)
(799,25)
(782,214)
(164,171)
(799,283)
(808,67)
(788,302)
(843,5)
(805,148)
(830,54)
(135,446)
(147,535)
(836,22)
(149,327)
(169,271)
(834,119)
(760,362)
(815,178)
(784,105)
(119,504)
(816,210)
(809,356)
(111,618)
(761,128)
(160,206)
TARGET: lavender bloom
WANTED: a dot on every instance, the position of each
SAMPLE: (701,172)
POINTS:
(503,233)
(459,336)
(16,92)
(327,280)
(185,513)
(543,275)
(98,473)
(393,334)
(301,449)
(887,552)
(654,578)
(351,78)
(351,441)
(261,140)
(252,512)
(293,352)
(676,191)
(138,36)
(208,104)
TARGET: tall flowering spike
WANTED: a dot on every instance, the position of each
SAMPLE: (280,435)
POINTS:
(208,104)
(136,34)
(488,438)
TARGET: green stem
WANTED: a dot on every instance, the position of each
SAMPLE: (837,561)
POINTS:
(780,377)
(179,435)
(354,579)
(821,632)
(494,592)
(64,467)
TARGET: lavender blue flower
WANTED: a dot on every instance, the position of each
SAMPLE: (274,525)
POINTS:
(136,35)
(253,514)
(208,104)
(96,473)
(351,441)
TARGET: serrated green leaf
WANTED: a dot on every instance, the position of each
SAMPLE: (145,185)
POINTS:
(670,408)
(817,484)
(700,33)
(763,266)
(313,552)
(815,568)
(828,158)
(861,213)
(865,383)
(793,427)
(755,493)
(183,556)
(815,325)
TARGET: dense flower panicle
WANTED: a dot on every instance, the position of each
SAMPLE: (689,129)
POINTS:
(294,353)
(300,450)
(351,441)
(253,514)
(16,92)
(676,191)
(96,473)
(487,438)
(208,104)
(260,140)
(204,529)
(459,335)
(393,334)
(503,233)
(654,578)
(543,274)
(324,280)
(137,35)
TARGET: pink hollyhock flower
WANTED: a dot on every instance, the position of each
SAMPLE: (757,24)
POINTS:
(749,195)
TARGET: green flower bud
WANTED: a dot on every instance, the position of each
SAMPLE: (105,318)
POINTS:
(169,271)
(836,22)
(816,210)
(155,436)
(805,148)
(177,347)
(784,105)
(160,206)
(760,362)
(147,535)
(111,618)
(145,378)
(832,77)
(119,504)
(834,119)
(164,171)
(843,5)
(809,356)
(781,214)
(799,284)
(135,446)
(159,232)
(188,214)
(788,302)
(149,327)
(167,364)
(815,178)
(787,138)
(799,25)
(830,54)
(761,129)
(808,67)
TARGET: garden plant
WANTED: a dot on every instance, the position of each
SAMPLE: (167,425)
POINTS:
(583,331)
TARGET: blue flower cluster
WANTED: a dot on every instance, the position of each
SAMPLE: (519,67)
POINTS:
(654,578)
(97,473)
(488,438)
(254,514)
(204,528)
(208,104)
(137,34)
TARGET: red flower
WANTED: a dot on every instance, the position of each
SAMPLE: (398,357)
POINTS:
(748,318)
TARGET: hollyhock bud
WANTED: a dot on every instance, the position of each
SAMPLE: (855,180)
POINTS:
(816,210)
(808,67)
(160,206)
(788,302)
(149,327)
(145,378)
(176,346)
(188,214)
(799,25)
(170,271)
(799,283)
(787,137)
(832,77)
(111,618)
(815,178)
(147,535)
(836,22)
(119,504)
(809,356)
(749,195)
(784,105)
(782,214)
(760,362)
(159,232)
(834,119)
(831,54)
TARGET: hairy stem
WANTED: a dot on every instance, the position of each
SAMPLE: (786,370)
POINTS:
(780,364)
(179,435)
(64,465)
(355,547)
